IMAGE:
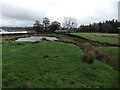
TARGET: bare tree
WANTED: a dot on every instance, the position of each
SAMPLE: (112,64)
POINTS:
(70,23)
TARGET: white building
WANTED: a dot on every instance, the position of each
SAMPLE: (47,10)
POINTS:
(15,32)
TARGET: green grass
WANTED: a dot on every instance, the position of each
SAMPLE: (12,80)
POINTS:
(113,51)
(8,36)
(25,66)
(101,37)
(0,62)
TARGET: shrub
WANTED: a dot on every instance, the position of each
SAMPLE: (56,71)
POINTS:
(87,58)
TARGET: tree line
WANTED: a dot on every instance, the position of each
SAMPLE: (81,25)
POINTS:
(45,26)
(71,25)
(110,26)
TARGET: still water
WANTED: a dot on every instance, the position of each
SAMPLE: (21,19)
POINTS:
(36,38)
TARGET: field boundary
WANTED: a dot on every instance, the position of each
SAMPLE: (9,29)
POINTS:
(95,42)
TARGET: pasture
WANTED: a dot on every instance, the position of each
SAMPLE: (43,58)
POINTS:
(100,37)
(57,64)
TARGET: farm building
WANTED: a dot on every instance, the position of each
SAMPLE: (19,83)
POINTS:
(61,31)
(10,31)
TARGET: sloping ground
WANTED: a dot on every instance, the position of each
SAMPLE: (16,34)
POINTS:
(113,51)
(91,50)
(52,65)
(100,37)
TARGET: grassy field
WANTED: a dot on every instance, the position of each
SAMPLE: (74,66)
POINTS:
(101,37)
(52,65)
(113,51)
(0,62)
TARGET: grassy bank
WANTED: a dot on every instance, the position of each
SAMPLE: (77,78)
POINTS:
(101,37)
(113,51)
(52,65)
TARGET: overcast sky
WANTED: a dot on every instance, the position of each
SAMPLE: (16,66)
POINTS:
(25,12)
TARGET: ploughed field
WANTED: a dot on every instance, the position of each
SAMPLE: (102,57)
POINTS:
(48,64)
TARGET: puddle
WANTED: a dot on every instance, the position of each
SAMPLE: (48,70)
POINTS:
(36,38)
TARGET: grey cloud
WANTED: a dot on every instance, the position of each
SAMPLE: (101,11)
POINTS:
(20,14)
(119,11)
(16,15)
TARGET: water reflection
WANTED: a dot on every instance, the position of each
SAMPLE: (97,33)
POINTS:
(36,38)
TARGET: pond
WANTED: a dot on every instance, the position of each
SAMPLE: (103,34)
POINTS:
(36,38)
